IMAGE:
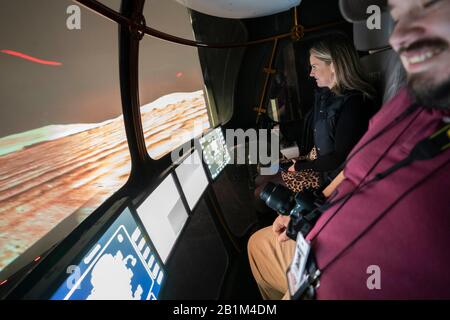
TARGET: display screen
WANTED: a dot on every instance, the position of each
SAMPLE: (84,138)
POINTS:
(121,265)
(163,215)
(63,145)
(215,151)
(193,179)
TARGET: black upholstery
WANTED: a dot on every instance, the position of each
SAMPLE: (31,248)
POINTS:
(386,73)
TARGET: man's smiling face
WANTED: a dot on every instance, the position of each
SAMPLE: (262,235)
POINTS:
(422,39)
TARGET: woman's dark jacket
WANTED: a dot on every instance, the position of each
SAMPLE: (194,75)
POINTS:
(334,126)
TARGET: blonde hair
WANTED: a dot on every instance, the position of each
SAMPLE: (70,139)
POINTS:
(338,49)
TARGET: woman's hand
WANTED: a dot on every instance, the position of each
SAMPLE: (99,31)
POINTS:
(292,168)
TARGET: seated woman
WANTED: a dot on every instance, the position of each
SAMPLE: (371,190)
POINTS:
(342,109)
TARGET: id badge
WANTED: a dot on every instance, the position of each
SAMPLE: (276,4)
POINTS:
(296,273)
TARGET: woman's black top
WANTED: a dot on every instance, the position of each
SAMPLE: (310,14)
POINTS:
(339,121)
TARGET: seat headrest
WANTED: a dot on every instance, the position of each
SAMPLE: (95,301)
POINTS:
(355,10)
(366,39)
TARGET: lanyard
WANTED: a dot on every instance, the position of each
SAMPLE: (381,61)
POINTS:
(427,148)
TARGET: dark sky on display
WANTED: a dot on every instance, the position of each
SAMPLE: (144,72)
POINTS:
(85,87)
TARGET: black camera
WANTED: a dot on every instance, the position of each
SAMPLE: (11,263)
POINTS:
(303,207)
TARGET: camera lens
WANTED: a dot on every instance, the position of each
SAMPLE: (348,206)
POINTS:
(278,198)
(266,192)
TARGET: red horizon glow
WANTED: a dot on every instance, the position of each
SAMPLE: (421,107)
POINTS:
(32,59)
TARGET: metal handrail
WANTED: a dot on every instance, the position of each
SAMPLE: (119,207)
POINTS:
(115,16)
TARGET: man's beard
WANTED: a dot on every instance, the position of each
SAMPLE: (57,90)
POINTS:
(428,95)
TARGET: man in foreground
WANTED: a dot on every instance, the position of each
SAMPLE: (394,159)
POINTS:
(387,239)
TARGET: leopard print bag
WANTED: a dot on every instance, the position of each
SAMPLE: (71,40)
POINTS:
(305,179)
